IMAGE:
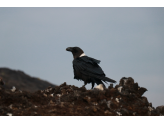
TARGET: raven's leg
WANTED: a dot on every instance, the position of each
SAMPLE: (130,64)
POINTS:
(84,84)
(93,85)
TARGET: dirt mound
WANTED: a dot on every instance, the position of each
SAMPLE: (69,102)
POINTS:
(124,99)
(22,81)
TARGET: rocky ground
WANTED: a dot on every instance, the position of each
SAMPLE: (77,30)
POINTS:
(125,99)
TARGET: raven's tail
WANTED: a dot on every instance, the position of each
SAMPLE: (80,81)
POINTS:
(104,78)
(108,79)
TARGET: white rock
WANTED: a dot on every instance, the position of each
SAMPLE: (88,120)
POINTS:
(9,114)
(100,87)
(117,100)
(119,89)
(134,113)
(51,95)
(13,89)
(45,95)
(10,106)
(150,108)
(125,81)
(108,104)
(119,114)
(59,95)
(95,103)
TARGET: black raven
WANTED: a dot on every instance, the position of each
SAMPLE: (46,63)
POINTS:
(87,68)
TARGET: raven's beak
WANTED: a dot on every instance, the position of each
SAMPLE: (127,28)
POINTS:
(69,49)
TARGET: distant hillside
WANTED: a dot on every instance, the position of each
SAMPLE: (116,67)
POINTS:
(22,81)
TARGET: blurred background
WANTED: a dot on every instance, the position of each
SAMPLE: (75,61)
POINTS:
(128,41)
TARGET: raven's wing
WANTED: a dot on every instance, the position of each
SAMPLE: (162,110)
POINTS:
(89,66)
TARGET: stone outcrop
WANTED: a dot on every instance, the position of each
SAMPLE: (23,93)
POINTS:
(125,99)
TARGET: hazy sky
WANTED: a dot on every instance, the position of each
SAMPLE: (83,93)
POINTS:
(128,41)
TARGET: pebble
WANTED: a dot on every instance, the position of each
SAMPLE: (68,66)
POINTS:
(94,109)
(13,89)
(45,95)
(119,113)
(9,114)
(107,112)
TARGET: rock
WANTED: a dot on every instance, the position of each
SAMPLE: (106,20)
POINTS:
(51,95)
(9,114)
(103,101)
(135,86)
(67,100)
(120,89)
(64,84)
(117,100)
(88,99)
(150,104)
(141,91)
(62,104)
(51,102)
(59,95)
(134,113)
(70,105)
(82,89)
(94,103)
(10,106)
(150,108)
(1,81)
(113,91)
(109,104)
(145,101)
(119,113)
(160,109)
(126,81)
(45,95)
(124,112)
(100,87)
(63,91)
(130,81)
(111,86)
(35,106)
(13,89)
(107,112)
(94,109)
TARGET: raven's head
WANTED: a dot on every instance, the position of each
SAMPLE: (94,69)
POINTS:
(76,51)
